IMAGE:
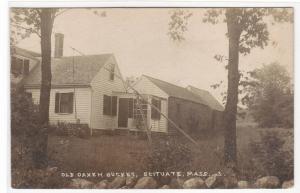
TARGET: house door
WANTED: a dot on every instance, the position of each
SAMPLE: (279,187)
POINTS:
(123,112)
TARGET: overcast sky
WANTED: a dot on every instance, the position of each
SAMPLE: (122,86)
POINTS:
(138,39)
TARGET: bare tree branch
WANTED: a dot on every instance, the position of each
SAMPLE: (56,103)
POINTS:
(61,12)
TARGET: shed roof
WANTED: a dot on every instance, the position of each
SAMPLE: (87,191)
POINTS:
(85,68)
(176,91)
(207,97)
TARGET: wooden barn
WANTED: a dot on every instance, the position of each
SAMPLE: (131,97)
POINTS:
(190,108)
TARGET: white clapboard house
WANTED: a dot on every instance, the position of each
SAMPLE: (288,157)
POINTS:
(89,89)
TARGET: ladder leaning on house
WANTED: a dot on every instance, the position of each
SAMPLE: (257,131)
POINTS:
(140,106)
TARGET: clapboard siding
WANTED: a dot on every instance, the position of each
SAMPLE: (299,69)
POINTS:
(102,85)
(145,86)
(162,124)
(83,105)
(35,95)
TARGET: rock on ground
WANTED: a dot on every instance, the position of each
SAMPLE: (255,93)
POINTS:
(165,187)
(80,183)
(176,183)
(118,182)
(130,181)
(102,184)
(267,182)
(52,169)
(243,184)
(288,184)
(230,182)
(146,183)
(194,183)
(213,181)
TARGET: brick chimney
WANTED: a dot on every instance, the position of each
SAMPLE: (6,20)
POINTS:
(59,45)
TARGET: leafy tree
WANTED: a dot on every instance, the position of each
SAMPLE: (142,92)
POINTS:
(246,29)
(269,96)
(40,22)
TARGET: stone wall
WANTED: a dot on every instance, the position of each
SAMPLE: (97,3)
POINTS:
(210,182)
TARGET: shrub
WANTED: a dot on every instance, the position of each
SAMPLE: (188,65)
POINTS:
(24,129)
(24,114)
(170,154)
(72,129)
(270,158)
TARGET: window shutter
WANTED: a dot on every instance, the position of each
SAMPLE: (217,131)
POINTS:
(104,105)
(114,105)
(159,107)
(70,104)
(153,102)
(56,102)
(107,110)
(155,114)
(26,67)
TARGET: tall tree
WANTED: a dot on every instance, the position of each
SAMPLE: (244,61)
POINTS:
(46,22)
(246,29)
(40,22)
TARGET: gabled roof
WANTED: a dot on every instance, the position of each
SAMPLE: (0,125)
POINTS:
(176,91)
(207,97)
(85,69)
(25,53)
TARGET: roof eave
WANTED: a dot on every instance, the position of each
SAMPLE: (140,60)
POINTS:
(37,86)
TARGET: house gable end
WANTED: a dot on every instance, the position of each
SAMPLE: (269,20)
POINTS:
(146,86)
(102,85)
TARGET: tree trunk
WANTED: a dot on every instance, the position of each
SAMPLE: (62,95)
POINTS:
(40,154)
(234,32)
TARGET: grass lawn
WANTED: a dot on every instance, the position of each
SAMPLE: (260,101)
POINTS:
(105,153)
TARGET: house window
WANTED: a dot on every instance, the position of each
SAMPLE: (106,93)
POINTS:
(64,102)
(112,72)
(16,66)
(19,66)
(155,114)
(110,105)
